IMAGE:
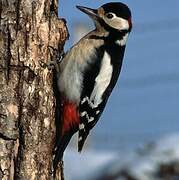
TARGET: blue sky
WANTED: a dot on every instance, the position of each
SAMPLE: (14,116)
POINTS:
(145,102)
(143,11)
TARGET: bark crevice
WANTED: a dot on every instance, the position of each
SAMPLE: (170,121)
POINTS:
(17,7)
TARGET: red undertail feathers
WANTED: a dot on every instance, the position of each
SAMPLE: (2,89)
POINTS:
(70,116)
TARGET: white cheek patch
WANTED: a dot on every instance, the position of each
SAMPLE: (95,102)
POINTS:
(117,23)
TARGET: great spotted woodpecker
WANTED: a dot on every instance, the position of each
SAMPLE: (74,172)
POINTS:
(89,72)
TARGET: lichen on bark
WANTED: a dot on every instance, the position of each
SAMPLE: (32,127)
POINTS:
(27,102)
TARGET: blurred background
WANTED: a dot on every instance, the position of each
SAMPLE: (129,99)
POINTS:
(144,107)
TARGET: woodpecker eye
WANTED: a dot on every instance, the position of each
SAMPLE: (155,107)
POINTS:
(109,15)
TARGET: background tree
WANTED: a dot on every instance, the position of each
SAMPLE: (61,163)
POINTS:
(27,102)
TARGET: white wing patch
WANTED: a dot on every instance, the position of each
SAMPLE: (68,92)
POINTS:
(81,126)
(102,80)
(90,119)
(80,138)
(91,104)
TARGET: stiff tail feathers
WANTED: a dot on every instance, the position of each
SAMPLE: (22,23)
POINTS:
(60,148)
(70,122)
(81,140)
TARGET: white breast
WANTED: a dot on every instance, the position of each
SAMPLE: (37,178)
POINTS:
(70,81)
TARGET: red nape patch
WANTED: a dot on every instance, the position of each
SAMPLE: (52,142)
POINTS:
(70,116)
(130,23)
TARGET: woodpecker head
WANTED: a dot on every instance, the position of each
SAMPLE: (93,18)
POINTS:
(114,16)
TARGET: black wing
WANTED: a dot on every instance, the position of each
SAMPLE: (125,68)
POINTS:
(89,112)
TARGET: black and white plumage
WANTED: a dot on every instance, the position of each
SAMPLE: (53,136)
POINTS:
(89,71)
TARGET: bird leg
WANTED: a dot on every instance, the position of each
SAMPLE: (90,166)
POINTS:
(55,59)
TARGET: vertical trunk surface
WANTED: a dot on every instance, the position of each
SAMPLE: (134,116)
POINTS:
(27,104)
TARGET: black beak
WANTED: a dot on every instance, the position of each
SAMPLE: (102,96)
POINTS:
(93,13)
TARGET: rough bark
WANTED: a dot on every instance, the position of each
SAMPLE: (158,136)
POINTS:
(27,102)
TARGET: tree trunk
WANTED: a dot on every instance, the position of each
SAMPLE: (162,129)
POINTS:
(27,102)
